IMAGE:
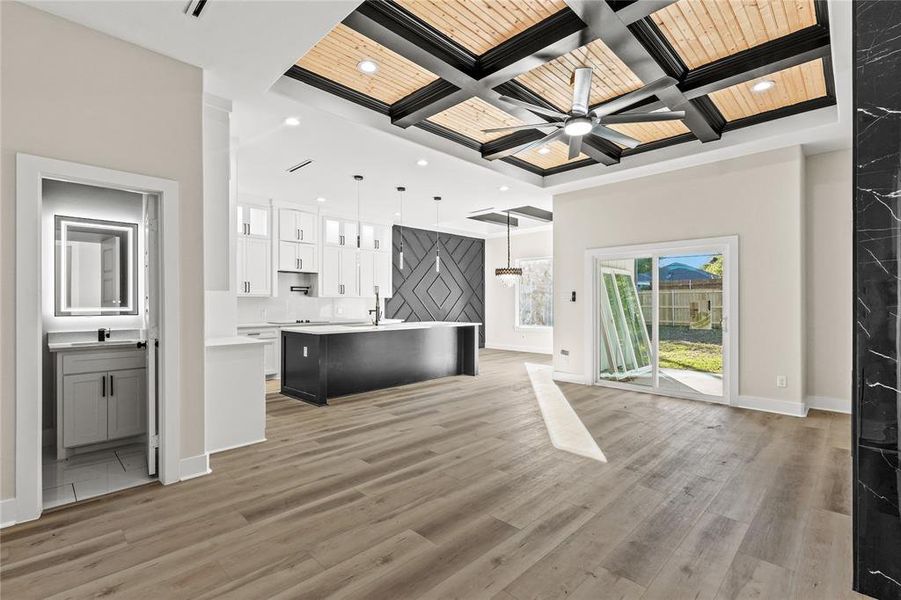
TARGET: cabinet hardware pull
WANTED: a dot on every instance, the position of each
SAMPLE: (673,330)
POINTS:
(103,379)
(297,234)
(111,392)
(376,244)
(301,234)
(300,263)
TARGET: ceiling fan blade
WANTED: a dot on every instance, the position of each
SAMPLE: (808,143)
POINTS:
(517,149)
(673,115)
(575,146)
(627,100)
(536,109)
(523,127)
(581,90)
(614,136)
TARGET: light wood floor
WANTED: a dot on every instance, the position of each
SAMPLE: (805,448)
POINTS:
(450,489)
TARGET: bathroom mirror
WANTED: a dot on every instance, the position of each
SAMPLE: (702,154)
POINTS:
(96,267)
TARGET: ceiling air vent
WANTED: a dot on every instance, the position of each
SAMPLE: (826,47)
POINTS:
(195,7)
(299,165)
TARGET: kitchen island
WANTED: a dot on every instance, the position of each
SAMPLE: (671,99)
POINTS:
(323,362)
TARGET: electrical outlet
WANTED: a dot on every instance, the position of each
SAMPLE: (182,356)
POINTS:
(781,381)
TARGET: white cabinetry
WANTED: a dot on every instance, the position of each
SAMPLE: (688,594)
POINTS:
(271,349)
(101,396)
(338,232)
(339,272)
(298,258)
(351,271)
(296,226)
(253,255)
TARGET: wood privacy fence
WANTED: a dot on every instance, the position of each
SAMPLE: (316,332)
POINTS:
(679,306)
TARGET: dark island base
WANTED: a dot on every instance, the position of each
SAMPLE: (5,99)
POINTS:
(317,367)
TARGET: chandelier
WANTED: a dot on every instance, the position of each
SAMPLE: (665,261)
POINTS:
(508,276)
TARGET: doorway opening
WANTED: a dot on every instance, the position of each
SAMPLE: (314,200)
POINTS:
(662,318)
(94,415)
(99,406)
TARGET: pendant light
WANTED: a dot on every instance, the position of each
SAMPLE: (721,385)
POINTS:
(401,190)
(508,276)
(358,179)
(437,245)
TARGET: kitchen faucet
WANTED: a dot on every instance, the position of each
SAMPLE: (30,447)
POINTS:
(378,309)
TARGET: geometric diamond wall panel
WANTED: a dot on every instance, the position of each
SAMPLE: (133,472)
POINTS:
(457,293)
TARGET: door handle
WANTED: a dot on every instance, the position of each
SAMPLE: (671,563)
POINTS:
(103,379)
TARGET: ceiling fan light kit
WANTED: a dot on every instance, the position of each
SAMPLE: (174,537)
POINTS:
(581,120)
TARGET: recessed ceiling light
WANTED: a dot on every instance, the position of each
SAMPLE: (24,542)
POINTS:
(320,199)
(422,162)
(368,66)
(544,150)
(397,214)
(504,188)
(292,121)
(763,85)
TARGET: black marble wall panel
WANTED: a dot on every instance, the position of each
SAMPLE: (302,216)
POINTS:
(877,249)
(456,293)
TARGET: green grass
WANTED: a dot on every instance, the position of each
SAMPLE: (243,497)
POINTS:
(694,356)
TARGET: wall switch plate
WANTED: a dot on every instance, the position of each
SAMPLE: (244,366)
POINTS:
(781,381)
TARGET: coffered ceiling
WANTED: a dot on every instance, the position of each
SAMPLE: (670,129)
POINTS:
(445,65)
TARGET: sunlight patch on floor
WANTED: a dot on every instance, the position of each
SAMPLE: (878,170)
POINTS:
(565,428)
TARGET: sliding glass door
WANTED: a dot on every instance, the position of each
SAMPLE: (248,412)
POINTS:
(660,317)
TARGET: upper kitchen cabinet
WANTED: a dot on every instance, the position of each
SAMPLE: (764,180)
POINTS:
(296,226)
(254,264)
(337,232)
(253,220)
(374,237)
(297,258)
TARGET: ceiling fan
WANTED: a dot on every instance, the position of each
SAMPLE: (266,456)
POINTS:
(580,121)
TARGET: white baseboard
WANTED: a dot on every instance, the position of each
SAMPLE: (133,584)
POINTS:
(515,348)
(839,405)
(569,377)
(194,466)
(234,446)
(782,407)
(8,514)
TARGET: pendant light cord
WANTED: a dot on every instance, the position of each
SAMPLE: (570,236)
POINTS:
(508,239)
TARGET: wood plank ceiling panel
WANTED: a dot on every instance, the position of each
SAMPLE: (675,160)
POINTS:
(556,156)
(793,85)
(611,77)
(337,55)
(480,25)
(652,132)
(703,31)
(470,117)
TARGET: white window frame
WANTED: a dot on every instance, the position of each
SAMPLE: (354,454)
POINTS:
(516,324)
(728,247)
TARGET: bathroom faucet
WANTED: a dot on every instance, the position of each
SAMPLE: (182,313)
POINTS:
(378,309)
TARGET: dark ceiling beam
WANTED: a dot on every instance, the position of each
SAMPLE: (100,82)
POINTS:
(638,10)
(604,23)
(425,102)
(510,144)
(794,49)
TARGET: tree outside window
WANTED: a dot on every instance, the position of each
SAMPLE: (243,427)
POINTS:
(535,293)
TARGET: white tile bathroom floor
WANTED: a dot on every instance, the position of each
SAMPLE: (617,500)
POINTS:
(93,474)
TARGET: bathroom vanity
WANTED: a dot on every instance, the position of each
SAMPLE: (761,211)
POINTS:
(100,390)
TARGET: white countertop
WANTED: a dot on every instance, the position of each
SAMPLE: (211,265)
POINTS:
(234,340)
(91,345)
(332,329)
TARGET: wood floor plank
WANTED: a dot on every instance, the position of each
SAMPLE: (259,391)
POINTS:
(451,488)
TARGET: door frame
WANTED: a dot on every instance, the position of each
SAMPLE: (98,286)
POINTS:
(728,246)
(30,172)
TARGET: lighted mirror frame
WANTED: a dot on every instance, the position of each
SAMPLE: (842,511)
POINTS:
(61,227)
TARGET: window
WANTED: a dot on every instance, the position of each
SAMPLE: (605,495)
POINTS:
(535,293)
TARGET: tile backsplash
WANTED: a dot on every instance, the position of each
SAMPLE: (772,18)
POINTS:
(289,306)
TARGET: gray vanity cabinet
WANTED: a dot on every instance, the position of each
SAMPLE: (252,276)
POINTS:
(101,396)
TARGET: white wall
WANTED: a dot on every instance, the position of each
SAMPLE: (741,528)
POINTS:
(829,295)
(75,94)
(500,302)
(759,198)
